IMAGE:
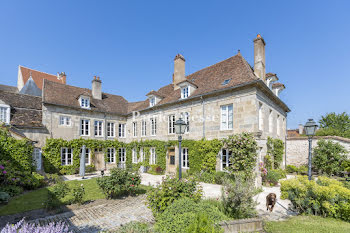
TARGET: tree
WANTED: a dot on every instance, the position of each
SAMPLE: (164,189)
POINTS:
(328,157)
(335,124)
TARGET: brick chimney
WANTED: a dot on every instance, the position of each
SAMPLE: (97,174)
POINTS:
(259,57)
(62,77)
(179,70)
(97,88)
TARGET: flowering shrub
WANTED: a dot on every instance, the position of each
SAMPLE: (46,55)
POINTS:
(326,197)
(78,194)
(274,175)
(172,189)
(24,227)
(119,182)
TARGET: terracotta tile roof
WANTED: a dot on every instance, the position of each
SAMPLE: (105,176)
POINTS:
(65,95)
(25,109)
(293,133)
(39,76)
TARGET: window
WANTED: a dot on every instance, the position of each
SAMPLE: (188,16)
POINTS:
(65,120)
(143,128)
(278,125)
(122,156)
(134,155)
(110,129)
(226,156)
(186,117)
(172,159)
(66,156)
(153,126)
(37,158)
(110,155)
(85,127)
(185,163)
(226,117)
(5,114)
(87,155)
(122,130)
(134,129)
(184,92)
(142,156)
(98,128)
(152,156)
(270,122)
(84,102)
(152,101)
(225,82)
(171,123)
(261,117)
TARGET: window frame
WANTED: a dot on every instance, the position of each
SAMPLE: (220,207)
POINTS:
(186,117)
(153,121)
(185,92)
(171,124)
(122,130)
(122,155)
(152,156)
(64,119)
(98,128)
(66,149)
(84,102)
(109,157)
(82,127)
(134,129)
(134,155)
(185,161)
(227,162)
(152,101)
(226,112)
(7,113)
(143,128)
(110,129)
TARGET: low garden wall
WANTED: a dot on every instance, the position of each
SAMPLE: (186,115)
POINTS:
(298,148)
(243,225)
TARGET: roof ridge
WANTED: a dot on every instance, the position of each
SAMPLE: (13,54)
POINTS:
(14,93)
(36,70)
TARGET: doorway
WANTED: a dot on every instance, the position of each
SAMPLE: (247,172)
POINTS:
(171,161)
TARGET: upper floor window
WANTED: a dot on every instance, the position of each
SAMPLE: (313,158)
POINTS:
(270,122)
(226,158)
(110,155)
(87,155)
(226,117)
(153,126)
(152,101)
(185,163)
(84,102)
(171,124)
(5,113)
(66,156)
(110,129)
(152,156)
(186,117)
(143,128)
(98,128)
(65,120)
(134,129)
(122,130)
(184,92)
(134,155)
(85,127)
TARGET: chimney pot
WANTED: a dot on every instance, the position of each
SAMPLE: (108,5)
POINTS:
(259,57)
(179,70)
(96,88)
(301,128)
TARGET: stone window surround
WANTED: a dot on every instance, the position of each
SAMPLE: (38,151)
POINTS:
(225,162)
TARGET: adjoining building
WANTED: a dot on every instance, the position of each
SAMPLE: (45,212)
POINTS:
(226,98)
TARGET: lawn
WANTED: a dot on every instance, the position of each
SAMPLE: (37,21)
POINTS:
(36,199)
(308,224)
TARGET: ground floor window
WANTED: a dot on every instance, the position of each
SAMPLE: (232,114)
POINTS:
(142,156)
(152,156)
(226,156)
(66,156)
(122,157)
(37,158)
(134,155)
(111,155)
(185,163)
(87,155)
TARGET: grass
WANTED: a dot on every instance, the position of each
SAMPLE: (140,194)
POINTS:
(35,199)
(308,224)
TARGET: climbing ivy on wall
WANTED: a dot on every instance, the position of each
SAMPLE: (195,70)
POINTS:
(202,154)
(275,150)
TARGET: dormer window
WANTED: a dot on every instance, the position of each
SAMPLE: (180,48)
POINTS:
(152,101)
(4,113)
(184,92)
(84,102)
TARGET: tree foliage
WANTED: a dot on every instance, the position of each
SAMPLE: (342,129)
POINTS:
(333,124)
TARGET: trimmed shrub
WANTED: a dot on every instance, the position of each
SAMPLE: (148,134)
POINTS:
(237,197)
(274,175)
(4,197)
(60,190)
(120,182)
(291,169)
(328,157)
(183,212)
(327,197)
(12,190)
(78,194)
(170,190)
(135,227)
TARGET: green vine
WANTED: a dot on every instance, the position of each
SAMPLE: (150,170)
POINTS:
(275,151)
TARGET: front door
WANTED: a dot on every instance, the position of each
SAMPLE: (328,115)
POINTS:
(37,158)
(99,160)
(171,161)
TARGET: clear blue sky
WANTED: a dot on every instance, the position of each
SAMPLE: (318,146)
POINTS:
(131,44)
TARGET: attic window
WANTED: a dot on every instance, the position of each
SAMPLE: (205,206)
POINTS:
(185,92)
(225,82)
(152,101)
(84,102)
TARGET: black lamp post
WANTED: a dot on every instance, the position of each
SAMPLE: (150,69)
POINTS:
(310,129)
(180,127)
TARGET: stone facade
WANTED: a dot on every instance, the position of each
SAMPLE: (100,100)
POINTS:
(298,148)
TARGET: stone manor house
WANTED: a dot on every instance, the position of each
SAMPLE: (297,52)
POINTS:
(226,98)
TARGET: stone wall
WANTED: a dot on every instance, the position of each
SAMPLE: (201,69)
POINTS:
(298,148)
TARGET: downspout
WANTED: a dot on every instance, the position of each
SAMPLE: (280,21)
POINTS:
(285,146)
(203,116)
(105,136)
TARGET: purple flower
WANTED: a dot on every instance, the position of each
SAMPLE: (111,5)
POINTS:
(1,167)
(13,179)
(4,172)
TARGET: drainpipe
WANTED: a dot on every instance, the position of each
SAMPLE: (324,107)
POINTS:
(203,116)
(285,146)
(105,136)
